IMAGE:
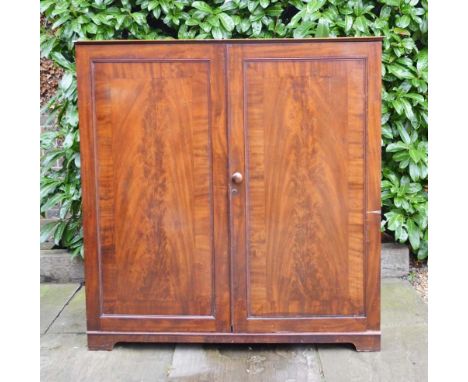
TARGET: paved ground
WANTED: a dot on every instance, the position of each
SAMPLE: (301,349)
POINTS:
(64,356)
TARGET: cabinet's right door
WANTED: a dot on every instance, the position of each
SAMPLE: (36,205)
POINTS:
(304,130)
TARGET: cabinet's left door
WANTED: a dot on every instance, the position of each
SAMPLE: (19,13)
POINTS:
(153,155)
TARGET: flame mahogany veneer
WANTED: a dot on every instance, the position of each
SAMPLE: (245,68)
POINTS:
(231,190)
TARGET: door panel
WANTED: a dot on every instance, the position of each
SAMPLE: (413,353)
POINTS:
(155,170)
(160,159)
(305,187)
(299,226)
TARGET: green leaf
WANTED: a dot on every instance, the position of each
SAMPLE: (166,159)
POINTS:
(47,189)
(348,23)
(423,251)
(45,5)
(303,30)
(403,21)
(52,202)
(401,234)
(66,81)
(50,157)
(322,28)
(244,25)
(414,171)
(408,109)
(395,3)
(153,5)
(385,118)
(296,19)
(385,12)
(59,232)
(397,146)
(213,20)
(387,131)
(251,5)
(68,141)
(408,43)
(77,160)
(275,10)
(380,24)
(422,60)
(264,3)
(206,27)
(414,187)
(60,21)
(47,46)
(404,135)
(416,97)
(227,21)
(139,18)
(48,229)
(360,24)
(256,28)
(228,6)
(414,154)
(401,31)
(217,33)
(62,61)
(202,6)
(413,234)
(400,71)
(192,21)
(314,5)
(396,103)
(91,28)
(395,220)
(121,19)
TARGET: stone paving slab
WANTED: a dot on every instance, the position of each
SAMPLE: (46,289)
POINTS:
(239,363)
(64,355)
(73,317)
(65,358)
(53,299)
(403,358)
(404,343)
(401,305)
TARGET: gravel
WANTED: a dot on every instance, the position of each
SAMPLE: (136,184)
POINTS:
(418,278)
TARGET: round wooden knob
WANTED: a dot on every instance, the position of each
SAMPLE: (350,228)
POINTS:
(237,178)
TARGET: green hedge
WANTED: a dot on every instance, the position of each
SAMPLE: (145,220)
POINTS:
(404,109)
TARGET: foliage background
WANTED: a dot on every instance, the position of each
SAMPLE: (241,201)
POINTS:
(403,23)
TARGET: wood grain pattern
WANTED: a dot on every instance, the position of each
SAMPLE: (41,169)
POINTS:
(373,176)
(155,188)
(305,220)
(177,251)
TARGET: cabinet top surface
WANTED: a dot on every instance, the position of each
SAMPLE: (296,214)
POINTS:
(234,41)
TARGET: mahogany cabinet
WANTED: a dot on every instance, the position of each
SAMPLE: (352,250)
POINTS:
(231,190)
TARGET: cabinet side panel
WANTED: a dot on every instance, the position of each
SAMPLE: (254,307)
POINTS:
(91,252)
(373,148)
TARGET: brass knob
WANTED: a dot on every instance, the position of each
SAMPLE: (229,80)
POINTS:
(237,178)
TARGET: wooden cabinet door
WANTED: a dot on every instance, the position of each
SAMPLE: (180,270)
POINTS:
(304,131)
(153,141)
